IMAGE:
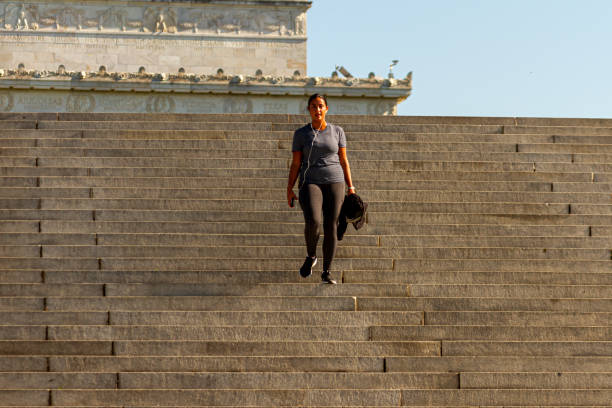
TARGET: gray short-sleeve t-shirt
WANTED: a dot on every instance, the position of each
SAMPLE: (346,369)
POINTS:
(324,160)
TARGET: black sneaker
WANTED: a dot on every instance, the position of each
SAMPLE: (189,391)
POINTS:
(306,269)
(327,278)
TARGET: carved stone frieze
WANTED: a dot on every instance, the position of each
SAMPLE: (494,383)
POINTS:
(234,80)
(180,20)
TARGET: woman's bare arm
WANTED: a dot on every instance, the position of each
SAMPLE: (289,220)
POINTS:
(294,170)
(346,168)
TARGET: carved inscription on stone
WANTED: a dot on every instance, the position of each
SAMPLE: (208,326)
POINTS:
(160,104)
(237,105)
(6,101)
(215,20)
(80,103)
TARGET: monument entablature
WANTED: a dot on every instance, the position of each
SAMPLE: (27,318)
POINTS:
(104,91)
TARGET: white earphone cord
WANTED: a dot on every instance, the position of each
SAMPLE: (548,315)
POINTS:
(316,133)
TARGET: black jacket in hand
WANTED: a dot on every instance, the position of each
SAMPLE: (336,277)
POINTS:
(353,211)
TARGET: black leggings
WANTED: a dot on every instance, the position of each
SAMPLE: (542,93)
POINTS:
(325,198)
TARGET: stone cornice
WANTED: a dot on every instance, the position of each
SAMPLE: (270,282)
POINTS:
(193,83)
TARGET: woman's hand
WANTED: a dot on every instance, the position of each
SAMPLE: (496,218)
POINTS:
(291,197)
(350,191)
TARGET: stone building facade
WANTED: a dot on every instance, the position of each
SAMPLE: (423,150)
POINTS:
(217,56)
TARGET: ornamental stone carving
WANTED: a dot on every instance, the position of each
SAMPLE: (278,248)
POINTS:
(160,104)
(209,19)
(6,101)
(80,103)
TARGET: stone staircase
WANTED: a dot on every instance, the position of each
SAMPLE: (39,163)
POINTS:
(151,260)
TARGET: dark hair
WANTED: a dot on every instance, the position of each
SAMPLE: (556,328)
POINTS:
(315,96)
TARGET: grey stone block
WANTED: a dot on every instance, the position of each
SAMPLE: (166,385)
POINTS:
(501,364)
(9,304)
(18,124)
(306,381)
(200,333)
(315,289)
(529,319)
(45,347)
(37,381)
(447,398)
(255,319)
(195,264)
(541,381)
(37,238)
(38,192)
(27,364)
(468,277)
(484,304)
(217,364)
(24,398)
(48,263)
(526,291)
(22,332)
(256,398)
(276,349)
(12,227)
(47,289)
(499,333)
(217,303)
(517,265)
(527,348)
(53,318)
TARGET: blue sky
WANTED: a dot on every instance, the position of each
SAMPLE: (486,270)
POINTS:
(474,57)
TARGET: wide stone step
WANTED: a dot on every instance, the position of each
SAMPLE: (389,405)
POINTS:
(527,348)
(238,208)
(212,303)
(426,231)
(521,319)
(260,125)
(375,196)
(310,333)
(54,318)
(420,163)
(10,332)
(484,304)
(534,265)
(273,183)
(37,381)
(564,148)
(489,364)
(541,381)
(343,264)
(278,349)
(198,333)
(287,251)
(116,364)
(472,333)
(243,239)
(291,276)
(49,289)
(525,291)
(310,318)
(278,157)
(298,381)
(370,176)
(507,398)
(436,364)
(228,398)
(190,289)
(49,348)
(284,145)
(366,177)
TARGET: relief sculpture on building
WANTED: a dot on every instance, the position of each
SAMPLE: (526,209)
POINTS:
(154,20)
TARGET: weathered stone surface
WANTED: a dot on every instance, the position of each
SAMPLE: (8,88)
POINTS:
(287,381)
(217,364)
(279,349)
